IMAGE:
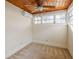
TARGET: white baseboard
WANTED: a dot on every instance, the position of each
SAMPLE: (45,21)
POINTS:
(61,45)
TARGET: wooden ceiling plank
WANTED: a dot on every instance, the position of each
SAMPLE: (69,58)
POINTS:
(30,5)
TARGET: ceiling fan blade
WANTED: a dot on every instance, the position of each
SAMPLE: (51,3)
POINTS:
(49,6)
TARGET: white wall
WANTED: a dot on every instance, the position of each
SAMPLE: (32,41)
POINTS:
(50,34)
(70,40)
(70,34)
(18,29)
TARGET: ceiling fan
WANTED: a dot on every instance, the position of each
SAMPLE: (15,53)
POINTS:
(40,5)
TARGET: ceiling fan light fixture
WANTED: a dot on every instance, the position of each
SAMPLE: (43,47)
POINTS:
(40,8)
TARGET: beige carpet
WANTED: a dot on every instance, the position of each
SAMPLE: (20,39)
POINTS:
(40,51)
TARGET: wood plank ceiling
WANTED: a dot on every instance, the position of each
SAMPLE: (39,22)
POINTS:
(41,6)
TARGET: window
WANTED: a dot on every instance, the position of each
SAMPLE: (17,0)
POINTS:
(60,19)
(48,19)
(70,18)
(37,20)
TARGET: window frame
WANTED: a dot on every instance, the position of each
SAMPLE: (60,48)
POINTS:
(50,18)
(37,20)
(61,19)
